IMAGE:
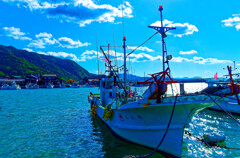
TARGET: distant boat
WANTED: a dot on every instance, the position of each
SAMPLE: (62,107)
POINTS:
(87,86)
(31,86)
(50,85)
(14,86)
(75,85)
(229,91)
(230,105)
(67,85)
(4,86)
(62,85)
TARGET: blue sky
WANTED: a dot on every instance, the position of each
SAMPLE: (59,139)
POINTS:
(206,39)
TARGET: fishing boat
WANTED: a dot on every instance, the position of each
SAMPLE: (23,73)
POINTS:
(229,91)
(67,85)
(31,86)
(50,85)
(87,86)
(155,119)
(14,86)
(4,86)
(230,105)
(62,85)
(75,85)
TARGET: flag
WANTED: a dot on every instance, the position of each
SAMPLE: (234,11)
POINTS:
(105,59)
(215,76)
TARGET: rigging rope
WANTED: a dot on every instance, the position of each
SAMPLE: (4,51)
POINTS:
(116,62)
(97,48)
(223,109)
(142,43)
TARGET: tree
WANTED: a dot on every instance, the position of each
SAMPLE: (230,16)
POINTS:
(70,81)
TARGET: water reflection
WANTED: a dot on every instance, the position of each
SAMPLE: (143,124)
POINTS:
(112,146)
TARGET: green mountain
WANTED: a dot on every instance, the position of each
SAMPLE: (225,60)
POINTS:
(17,62)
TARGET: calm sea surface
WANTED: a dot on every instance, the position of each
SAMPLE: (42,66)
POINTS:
(57,123)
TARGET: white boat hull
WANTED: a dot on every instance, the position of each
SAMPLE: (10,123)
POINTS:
(4,88)
(14,87)
(146,125)
(50,86)
(75,86)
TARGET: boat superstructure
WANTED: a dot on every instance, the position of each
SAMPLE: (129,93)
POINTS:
(4,86)
(50,85)
(75,85)
(154,119)
(31,86)
(14,86)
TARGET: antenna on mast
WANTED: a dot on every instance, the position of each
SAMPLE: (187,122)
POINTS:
(163,30)
(97,50)
(125,69)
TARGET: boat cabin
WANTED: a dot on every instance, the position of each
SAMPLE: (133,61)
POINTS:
(108,90)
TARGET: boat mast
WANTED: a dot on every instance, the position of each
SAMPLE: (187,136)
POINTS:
(163,42)
(162,30)
(125,69)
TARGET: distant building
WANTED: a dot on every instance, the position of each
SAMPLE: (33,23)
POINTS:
(50,78)
(18,79)
(32,78)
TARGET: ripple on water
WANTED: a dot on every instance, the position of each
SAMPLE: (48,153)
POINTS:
(57,123)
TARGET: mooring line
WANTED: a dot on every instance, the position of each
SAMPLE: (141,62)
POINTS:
(203,141)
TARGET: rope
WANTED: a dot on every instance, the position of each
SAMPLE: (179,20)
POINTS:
(169,122)
(223,109)
(142,43)
(203,141)
(116,62)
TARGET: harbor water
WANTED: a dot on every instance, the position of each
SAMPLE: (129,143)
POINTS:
(58,123)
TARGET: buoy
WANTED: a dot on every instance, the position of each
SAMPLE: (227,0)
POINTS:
(214,139)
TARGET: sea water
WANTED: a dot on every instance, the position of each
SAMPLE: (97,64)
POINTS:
(58,123)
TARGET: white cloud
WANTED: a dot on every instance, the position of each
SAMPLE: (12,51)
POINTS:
(142,49)
(124,10)
(181,28)
(201,60)
(188,52)
(34,4)
(44,35)
(28,49)
(141,57)
(71,11)
(233,21)
(15,33)
(90,54)
(69,43)
(62,55)
(43,39)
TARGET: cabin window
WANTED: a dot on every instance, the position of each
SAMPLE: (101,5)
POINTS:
(103,84)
